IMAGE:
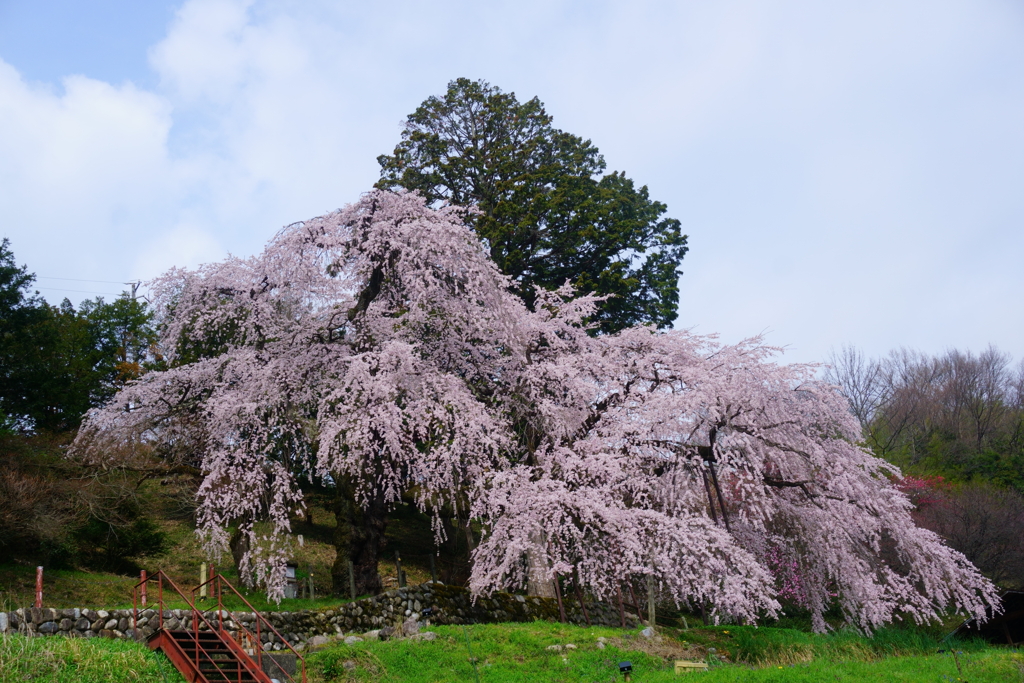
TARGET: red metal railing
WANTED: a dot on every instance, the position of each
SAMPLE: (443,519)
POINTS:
(197,618)
(217,583)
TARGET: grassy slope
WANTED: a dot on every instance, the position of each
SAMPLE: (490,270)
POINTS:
(407,533)
(518,653)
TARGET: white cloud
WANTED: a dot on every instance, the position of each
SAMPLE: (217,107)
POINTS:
(847,173)
(181,245)
(79,169)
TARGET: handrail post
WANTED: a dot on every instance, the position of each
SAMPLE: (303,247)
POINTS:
(135,613)
(220,580)
(160,597)
(195,630)
(220,602)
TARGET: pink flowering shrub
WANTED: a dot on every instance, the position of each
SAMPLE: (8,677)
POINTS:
(922,491)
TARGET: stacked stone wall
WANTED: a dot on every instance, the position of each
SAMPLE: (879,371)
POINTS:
(433,603)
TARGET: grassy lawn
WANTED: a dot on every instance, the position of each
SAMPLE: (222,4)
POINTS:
(519,653)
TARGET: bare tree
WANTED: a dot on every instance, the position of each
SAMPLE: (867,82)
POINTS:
(906,398)
(860,379)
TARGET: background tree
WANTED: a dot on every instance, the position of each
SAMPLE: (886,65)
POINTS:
(20,311)
(957,414)
(56,362)
(547,211)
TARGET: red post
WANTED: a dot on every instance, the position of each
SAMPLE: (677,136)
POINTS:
(144,579)
(39,587)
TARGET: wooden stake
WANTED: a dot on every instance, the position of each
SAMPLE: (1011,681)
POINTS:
(650,601)
(579,597)
(351,580)
(561,606)
(142,594)
(39,587)
(622,611)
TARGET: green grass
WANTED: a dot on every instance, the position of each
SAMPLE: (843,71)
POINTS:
(517,653)
(80,660)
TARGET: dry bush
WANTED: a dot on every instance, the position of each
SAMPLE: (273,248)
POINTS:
(984,523)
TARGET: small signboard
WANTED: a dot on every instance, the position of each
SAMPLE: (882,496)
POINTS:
(684,667)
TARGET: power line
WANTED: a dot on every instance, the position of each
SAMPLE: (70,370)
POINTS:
(75,279)
(81,291)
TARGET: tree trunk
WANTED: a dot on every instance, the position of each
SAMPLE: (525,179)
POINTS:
(538,572)
(470,542)
(359,537)
(239,545)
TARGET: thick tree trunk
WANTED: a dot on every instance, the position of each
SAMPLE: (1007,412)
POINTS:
(359,538)
(538,580)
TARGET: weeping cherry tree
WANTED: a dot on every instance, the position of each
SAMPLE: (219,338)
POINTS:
(379,348)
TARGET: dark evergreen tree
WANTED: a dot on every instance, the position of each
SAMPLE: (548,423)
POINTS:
(57,362)
(548,212)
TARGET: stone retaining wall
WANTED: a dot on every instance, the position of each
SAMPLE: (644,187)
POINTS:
(446,605)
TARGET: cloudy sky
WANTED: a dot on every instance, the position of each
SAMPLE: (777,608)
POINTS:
(848,173)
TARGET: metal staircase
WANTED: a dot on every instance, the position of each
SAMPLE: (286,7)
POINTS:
(211,650)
